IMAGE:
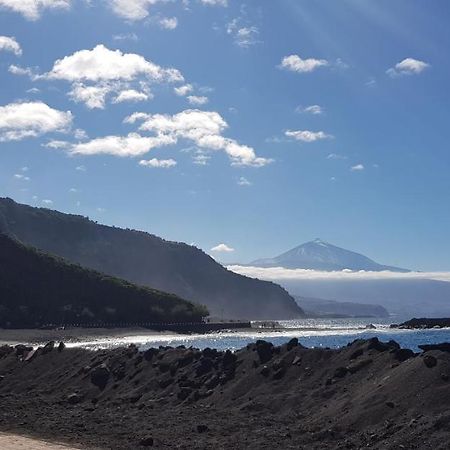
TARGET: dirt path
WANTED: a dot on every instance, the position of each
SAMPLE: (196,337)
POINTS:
(16,442)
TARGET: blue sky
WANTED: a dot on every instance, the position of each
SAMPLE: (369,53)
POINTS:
(258,125)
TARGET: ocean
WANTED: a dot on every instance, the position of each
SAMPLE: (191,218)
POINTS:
(331,333)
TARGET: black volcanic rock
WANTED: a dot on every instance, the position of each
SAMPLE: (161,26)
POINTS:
(147,260)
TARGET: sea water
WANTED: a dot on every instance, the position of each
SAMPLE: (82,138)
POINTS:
(331,333)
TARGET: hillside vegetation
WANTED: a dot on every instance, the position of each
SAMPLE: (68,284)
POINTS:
(147,260)
(37,289)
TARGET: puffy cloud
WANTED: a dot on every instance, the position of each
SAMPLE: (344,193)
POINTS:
(158,163)
(9,44)
(102,64)
(295,63)
(132,10)
(308,136)
(222,248)
(357,168)
(408,66)
(312,109)
(203,128)
(280,274)
(32,119)
(131,95)
(184,90)
(168,23)
(131,145)
(32,9)
(98,73)
(197,100)
(47,202)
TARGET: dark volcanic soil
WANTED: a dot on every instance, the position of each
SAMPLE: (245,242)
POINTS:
(369,394)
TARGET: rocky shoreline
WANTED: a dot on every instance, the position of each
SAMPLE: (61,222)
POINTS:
(423,323)
(368,394)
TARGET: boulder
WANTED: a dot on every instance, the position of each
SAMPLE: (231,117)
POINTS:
(21,349)
(61,346)
(357,366)
(430,361)
(48,347)
(146,442)
(264,350)
(202,428)
(340,372)
(204,366)
(402,354)
(74,398)
(444,347)
(292,343)
(100,376)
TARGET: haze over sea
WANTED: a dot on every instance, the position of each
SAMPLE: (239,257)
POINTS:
(331,333)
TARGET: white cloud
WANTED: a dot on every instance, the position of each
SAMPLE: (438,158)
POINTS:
(244,182)
(131,95)
(408,66)
(132,10)
(357,168)
(32,119)
(80,134)
(215,2)
(312,109)
(222,248)
(92,96)
(23,71)
(126,37)
(280,273)
(9,44)
(32,9)
(21,176)
(336,156)
(95,74)
(168,23)
(184,90)
(295,63)
(158,163)
(47,202)
(308,136)
(197,100)
(81,168)
(243,36)
(131,145)
(103,64)
(203,128)
(57,145)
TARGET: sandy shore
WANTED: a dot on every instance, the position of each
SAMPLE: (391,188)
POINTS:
(16,442)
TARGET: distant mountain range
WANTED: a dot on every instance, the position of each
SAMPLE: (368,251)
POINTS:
(320,255)
(147,260)
(332,308)
(38,289)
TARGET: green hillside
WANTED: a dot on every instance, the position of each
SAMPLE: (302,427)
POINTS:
(37,289)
